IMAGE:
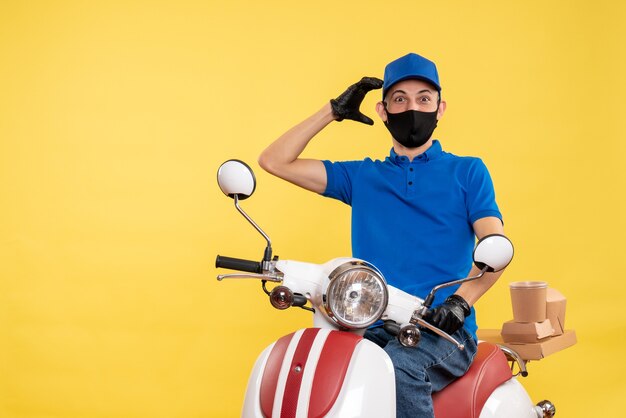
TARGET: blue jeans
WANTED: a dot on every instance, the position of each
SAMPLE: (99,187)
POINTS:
(424,369)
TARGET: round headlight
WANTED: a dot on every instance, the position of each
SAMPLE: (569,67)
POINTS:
(356,296)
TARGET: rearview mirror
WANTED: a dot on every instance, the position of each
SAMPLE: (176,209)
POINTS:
(236,178)
(494,252)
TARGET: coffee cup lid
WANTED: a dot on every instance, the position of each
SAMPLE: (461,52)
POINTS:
(528,285)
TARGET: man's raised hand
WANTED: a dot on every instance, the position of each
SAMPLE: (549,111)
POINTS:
(346,106)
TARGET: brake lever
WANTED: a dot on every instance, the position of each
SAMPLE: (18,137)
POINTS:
(269,277)
(421,322)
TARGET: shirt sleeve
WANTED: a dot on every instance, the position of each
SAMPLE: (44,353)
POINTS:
(340,177)
(481,197)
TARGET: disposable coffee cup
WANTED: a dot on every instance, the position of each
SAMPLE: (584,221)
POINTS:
(529,301)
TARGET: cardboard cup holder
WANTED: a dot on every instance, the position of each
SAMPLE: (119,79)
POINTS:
(538,325)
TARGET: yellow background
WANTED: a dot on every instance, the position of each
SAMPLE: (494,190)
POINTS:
(115,115)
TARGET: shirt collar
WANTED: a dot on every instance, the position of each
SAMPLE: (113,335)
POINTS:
(431,153)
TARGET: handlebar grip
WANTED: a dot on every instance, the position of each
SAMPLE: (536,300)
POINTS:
(238,264)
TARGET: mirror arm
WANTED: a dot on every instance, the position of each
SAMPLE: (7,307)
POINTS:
(267,257)
(431,296)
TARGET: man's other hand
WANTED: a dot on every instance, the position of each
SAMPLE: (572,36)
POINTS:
(450,315)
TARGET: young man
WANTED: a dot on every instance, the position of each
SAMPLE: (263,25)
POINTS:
(415,215)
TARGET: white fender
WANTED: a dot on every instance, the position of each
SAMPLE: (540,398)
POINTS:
(509,400)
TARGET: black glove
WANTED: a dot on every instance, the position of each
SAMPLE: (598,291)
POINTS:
(450,315)
(346,106)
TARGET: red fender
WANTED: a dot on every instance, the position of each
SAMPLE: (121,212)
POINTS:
(329,374)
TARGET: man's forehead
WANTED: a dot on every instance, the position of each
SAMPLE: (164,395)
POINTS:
(412,87)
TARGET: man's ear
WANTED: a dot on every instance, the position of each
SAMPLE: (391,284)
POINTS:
(441,109)
(382,113)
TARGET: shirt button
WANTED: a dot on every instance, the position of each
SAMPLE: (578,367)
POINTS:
(410,183)
(411,169)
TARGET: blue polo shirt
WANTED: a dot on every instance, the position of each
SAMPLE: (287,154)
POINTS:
(413,219)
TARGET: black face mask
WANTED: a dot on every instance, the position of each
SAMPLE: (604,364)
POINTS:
(411,128)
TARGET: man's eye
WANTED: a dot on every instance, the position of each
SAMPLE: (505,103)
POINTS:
(425,99)
(399,99)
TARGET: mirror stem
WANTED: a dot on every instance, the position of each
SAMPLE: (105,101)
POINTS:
(268,250)
(431,296)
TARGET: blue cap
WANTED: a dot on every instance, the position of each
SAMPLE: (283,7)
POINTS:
(410,66)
